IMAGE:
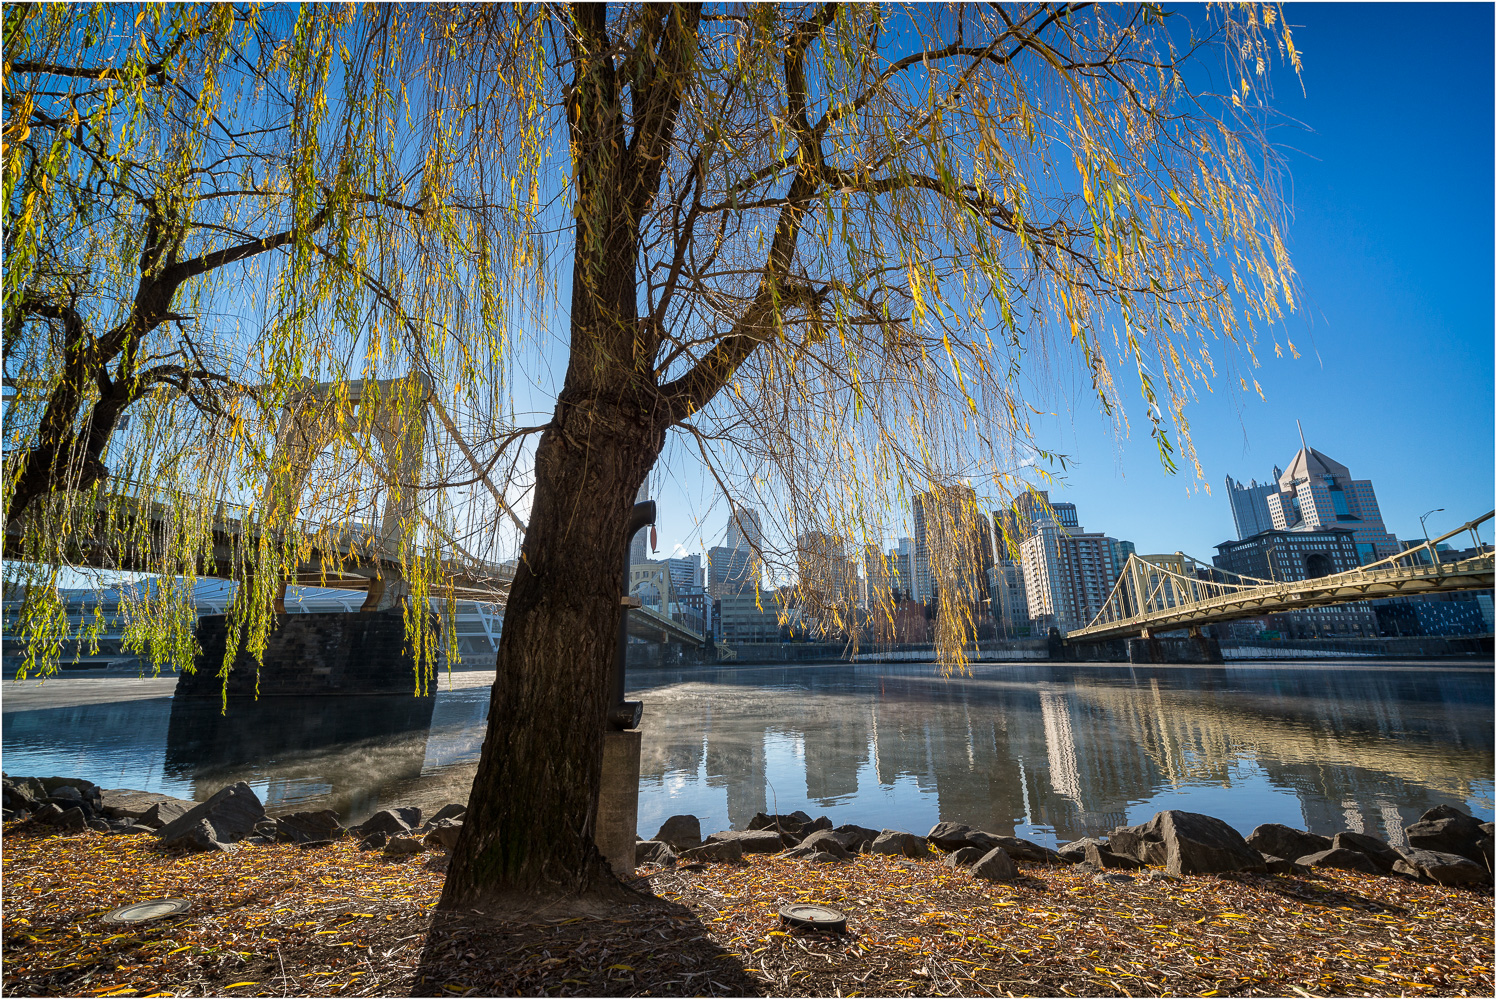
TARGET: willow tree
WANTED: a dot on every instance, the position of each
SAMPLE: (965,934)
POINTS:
(211,209)
(830,246)
(836,251)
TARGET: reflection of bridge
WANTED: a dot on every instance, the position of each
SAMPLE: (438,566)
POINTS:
(1150,598)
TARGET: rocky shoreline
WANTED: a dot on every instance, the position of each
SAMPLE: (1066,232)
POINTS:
(1445,847)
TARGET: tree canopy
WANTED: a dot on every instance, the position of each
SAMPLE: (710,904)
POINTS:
(836,250)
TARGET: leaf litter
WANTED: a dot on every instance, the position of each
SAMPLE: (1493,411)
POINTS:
(281,920)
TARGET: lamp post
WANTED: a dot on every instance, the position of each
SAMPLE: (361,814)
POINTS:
(1426,531)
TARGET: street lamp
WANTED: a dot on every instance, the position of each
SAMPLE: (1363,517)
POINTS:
(1426,531)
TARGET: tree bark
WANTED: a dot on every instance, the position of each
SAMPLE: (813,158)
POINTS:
(532,813)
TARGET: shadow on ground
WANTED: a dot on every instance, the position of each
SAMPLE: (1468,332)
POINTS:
(647,946)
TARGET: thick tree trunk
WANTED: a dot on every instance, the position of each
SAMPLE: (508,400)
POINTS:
(530,823)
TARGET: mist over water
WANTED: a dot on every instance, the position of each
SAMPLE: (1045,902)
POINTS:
(1047,751)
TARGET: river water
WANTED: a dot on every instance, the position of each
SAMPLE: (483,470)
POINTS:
(1048,751)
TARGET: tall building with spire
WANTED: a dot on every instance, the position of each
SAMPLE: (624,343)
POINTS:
(1317,492)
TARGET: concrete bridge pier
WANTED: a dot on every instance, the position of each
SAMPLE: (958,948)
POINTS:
(1193,648)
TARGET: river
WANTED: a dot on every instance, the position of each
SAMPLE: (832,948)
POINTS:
(1045,751)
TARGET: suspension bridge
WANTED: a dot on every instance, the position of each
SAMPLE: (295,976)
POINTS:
(1150,598)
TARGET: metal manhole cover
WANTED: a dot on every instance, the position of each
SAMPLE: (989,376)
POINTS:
(151,909)
(814,916)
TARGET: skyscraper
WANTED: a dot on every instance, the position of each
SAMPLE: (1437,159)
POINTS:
(639,544)
(953,543)
(1317,492)
(1250,513)
(745,529)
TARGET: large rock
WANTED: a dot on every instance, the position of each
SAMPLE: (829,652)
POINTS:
(397,847)
(897,842)
(1381,854)
(1447,830)
(654,852)
(131,803)
(303,827)
(793,827)
(1441,867)
(1075,851)
(952,836)
(22,794)
(73,820)
(390,822)
(1186,843)
(995,866)
(1099,855)
(1026,850)
(855,838)
(1342,859)
(827,841)
(164,812)
(444,833)
(722,850)
(964,857)
(752,841)
(1285,841)
(682,833)
(230,815)
(453,810)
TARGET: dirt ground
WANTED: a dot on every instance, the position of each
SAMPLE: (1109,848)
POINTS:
(333,921)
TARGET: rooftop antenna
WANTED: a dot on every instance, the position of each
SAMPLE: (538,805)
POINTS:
(1302,437)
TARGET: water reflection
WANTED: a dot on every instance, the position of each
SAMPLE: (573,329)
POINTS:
(1050,752)
(1056,753)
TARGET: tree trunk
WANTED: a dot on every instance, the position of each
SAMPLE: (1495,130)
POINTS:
(532,813)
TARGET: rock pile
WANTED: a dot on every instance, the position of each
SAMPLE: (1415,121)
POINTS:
(1445,846)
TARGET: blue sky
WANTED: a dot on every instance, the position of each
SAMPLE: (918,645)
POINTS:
(1391,168)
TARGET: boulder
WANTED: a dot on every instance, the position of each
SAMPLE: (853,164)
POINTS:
(301,827)
(199,836)
(654,852)
(722,850)
(1099,855)
(1282,866)
(995,866)
(855,838)
(99,825)
(1025,850)
(47,812)
(1341,858)
(1447,830)
(1441,867)
(22,794)
(133,830)
(1285,841)
(794,827)
(951,836)
(752,841)
(828,842)
(390,822)
(231,815)
(158,814)
(397,847)
(443,834)
(897,842)
(132,804)
(1186,843)
(453,810)
(88,792)
(964,857)
(66,794)
(1075,851)
(72,820)
(374,841)
(682,833)
(1381,854)
(811,854)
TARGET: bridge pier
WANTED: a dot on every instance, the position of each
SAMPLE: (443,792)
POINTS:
(335,653)
(1194,648)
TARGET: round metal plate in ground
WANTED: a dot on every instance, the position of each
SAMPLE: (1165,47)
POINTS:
(813,916)
(151,909)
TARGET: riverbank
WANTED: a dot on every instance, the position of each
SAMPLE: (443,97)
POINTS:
(277,919)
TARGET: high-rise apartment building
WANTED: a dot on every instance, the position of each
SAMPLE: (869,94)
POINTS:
(953,543)
(686,572)
(1068,573)
(827,575)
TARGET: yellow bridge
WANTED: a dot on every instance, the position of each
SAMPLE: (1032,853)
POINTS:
(1150,598)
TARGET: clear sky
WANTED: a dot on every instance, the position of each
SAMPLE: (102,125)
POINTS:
(1392,236)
